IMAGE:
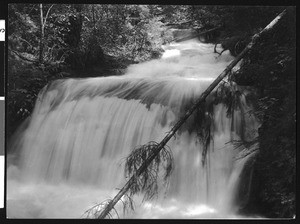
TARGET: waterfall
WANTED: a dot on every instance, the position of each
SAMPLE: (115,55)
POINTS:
(72,151)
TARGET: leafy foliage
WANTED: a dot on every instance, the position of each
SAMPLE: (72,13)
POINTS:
(270,68)
(134,32)
(95,211)
(144,176)
(24,83)
(77,42)
(147,182)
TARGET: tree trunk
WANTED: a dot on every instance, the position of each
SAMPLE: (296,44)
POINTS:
(196,105)
(42,32)
(94,21)
(41,50)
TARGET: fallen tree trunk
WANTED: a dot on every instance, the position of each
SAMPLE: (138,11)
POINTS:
(196,105)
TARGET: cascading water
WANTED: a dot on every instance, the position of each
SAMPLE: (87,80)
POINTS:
(70,155)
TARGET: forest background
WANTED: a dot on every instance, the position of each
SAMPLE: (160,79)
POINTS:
(53,41)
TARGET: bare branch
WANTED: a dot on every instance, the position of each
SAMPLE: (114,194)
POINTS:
(44,23)
(22,57)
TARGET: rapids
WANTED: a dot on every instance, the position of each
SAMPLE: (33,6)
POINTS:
(70,154)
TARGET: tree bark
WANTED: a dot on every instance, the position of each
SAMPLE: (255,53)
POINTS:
(94,21)
(41,45)
(42,32)
(196,105)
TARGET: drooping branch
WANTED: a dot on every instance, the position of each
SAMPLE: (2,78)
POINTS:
(20,38)
(197,105)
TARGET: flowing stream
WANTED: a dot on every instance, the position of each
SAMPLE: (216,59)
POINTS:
(70,154)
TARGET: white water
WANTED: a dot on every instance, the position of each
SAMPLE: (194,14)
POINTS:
(71,156)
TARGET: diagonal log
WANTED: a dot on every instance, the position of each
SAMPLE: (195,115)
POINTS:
(196,105)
